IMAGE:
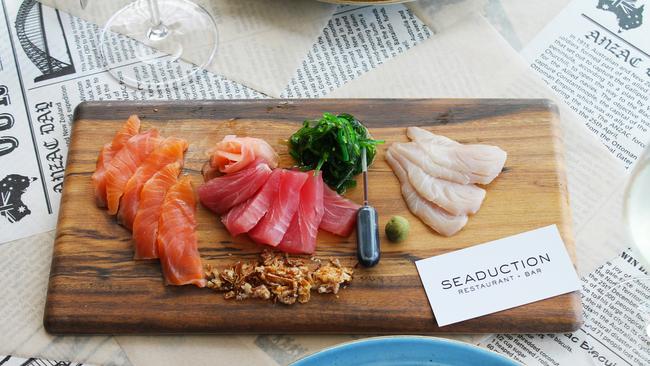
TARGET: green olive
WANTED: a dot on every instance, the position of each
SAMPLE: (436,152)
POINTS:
(397,229)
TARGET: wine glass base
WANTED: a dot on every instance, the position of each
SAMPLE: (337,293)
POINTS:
(186,32)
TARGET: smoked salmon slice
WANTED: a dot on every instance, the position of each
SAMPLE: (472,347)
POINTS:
(221,193)
(130,128)
(340,214)
(125,163)
(177,241)
(272,227)
(170,150)
(300,237)
(145,223)
(243,217)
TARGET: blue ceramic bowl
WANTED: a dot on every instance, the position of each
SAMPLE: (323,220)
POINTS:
(405,351)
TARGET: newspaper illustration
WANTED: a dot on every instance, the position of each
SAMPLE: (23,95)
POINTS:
(629,14)
(596,56)
(12,188)
(17,361)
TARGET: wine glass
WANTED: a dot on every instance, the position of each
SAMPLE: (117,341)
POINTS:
(636,215)
(619,326)
(636,207)
(168,31)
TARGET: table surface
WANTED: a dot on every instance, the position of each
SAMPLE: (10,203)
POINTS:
(517,23)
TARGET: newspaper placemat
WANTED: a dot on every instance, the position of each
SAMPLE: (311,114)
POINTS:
(355,41)
(439,70)
(610,333)
(596,57)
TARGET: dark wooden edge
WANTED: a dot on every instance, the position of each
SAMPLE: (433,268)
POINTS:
(462,108)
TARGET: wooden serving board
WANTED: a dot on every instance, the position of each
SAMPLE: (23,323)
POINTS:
(96,287)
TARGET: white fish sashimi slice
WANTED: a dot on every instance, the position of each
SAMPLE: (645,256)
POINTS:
(416,155)
(435,217)
(481,163)
(417,133)
(455,198)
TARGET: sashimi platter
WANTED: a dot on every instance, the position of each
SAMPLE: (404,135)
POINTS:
(296,216)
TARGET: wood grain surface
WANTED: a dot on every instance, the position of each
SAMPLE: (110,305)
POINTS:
(96,287)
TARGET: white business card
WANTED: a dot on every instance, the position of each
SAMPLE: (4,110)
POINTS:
(497,275)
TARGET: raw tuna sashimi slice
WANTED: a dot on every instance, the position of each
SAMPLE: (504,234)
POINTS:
(432,215)
(170,150)
(233,153)
(125,163)
(130,128)
(243,217)
(479,163)
(272,227)
(301,234)
(224,192)
(145,223)
(177,241)
(455,198)
(340,214)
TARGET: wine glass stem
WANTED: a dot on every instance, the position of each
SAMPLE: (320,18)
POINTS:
(158,30)
(155,12)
